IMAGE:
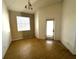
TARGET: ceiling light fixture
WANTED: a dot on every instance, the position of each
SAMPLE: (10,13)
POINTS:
(29,5)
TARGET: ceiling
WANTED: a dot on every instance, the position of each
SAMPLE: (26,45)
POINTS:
(19,5)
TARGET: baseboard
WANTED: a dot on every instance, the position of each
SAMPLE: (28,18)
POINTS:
(69,47)
(7,48)
(17,38)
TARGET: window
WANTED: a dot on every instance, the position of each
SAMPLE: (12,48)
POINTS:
(23,23)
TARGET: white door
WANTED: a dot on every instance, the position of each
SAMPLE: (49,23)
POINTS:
(49,29)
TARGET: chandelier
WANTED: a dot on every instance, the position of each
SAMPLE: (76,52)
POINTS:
(29,5)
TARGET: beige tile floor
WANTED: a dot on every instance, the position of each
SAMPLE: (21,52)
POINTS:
(37,49)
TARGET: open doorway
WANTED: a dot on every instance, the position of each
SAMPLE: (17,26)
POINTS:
(49,29)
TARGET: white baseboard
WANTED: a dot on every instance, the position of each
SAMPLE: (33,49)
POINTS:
(69,47)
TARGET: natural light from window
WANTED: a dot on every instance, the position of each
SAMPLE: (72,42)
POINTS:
(49,28)
(23,23)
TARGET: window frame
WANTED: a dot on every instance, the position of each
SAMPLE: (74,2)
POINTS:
(17,23)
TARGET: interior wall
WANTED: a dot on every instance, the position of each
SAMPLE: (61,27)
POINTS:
(69,25)
(37,24)
(29,34)
(6,35)
(49,12)
(13,25)
(13,22)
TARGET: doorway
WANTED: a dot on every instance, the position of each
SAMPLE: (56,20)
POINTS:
(49,29)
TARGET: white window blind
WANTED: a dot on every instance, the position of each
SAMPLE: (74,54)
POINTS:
(23,23)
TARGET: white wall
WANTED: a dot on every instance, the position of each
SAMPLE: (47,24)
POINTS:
(37,24)
(48,12)
(69,25)
(6,36)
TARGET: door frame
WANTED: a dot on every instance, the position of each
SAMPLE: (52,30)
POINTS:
(46,28)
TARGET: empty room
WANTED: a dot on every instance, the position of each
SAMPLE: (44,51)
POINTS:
(38,29)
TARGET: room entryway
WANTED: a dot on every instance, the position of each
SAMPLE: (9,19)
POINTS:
(49,29)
